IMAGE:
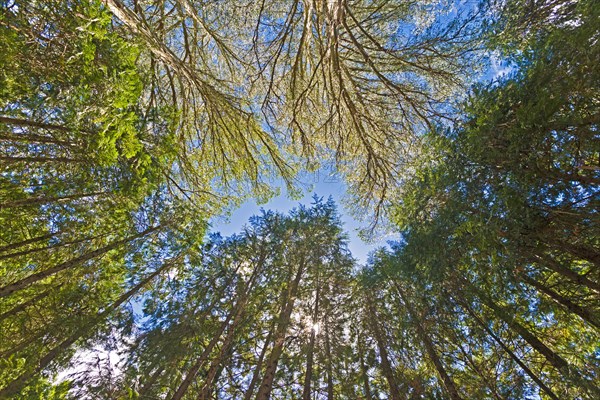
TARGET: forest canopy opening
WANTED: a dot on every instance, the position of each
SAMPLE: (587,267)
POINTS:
(128,126)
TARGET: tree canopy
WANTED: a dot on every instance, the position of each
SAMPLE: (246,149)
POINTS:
(126,126)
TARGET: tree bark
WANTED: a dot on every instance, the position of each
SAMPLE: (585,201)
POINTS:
(508,351)
(568,273)
(429,347)
(582,312)
(264,390)
(382,347)
(311,347)
(36,239)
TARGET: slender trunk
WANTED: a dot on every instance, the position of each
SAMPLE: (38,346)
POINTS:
(508,351)
(261,357)
(33,124)
(329,366)
(485,380)
(508,317)
(582,312)
(21,307)
(23,283)
(365,376)
(235,316)
(311,348)
(149,383)
(193,371)
(383,353)
(568,273)
(38,249)
(40,159)
(32,138)
(554,359)
(19,383)
(35,201)
(14,350)
(36,239)
(220,360)
(429,347)
(264,390)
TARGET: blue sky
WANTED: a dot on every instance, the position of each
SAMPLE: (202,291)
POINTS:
(323,184)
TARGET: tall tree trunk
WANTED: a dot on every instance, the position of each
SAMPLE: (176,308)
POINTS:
(508,351)
(365,376)
(147,386)
(582,312)
(35,201)
(329,365)
(40,159)
(38,249)
(554,359)
(264,390)
(26,242)
(485,380)
(19,383)
(23,283)
(568,273)
(382,347)
(33,124)
(32,138)
(311,348)
(234,316)
(21,307)
(256,374)
(429,347)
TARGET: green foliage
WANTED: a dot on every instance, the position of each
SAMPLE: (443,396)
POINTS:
(126,126)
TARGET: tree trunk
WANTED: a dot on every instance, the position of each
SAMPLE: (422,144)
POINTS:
(365,375)
(15,386)
(35,201)
(582,312)
(311,348)
(36,239)
(235,315)
(23,283)
(150,382)
(382,347)
(508,351)
(38,249)
(21,307)
(264,390)
(429,347)
(568,273)
(40,159)
(261,357)
(329,367)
